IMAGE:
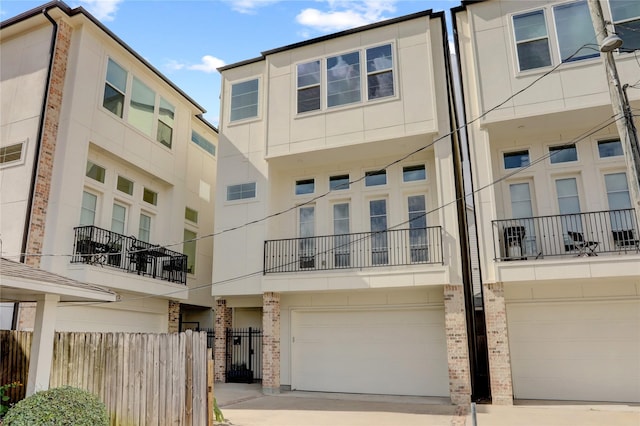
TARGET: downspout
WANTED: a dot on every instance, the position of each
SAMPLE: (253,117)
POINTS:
(479,390)
(36,160)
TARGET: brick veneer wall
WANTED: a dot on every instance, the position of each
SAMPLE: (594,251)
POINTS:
(498,344)
(174,317)
(40,202)
(223,321)
(457,349)
(271,343)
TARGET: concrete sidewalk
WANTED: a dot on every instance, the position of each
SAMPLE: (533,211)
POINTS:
(245,405)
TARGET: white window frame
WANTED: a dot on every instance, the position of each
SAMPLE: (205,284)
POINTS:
(125,206)
(151,217)
(96,212)
(300,88)
(559,146)
(621,22)
(255,192)
(518,42)
(257,104)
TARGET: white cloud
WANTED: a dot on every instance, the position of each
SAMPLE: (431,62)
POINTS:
(344,14)
(249,6)
(208,64)
(103,10)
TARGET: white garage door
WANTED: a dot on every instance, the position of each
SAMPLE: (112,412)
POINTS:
(395,352)
(587,351)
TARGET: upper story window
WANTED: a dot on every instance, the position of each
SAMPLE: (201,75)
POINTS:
(191,215)
(532,40)
(115,88)
(241,191)
(147,112)
(375,178)
(612,148)
(306,186)
(516,159)
(574,29)
(626,18)
(95,172)
(563,154)
(413,173)
(203,143)
(308,86)
(380,72)
(338,182)
(343,79)
(244,100)
(124,185)
(150,196)
(11,153)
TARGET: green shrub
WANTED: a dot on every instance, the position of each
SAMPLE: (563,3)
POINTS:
(57,407)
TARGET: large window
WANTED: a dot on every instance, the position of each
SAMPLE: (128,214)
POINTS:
(574,29)
(626,18)
(244,100)
(308,86)
(115,88)
(88,210)
(380,72)
(532,40)
(241,191)
(343,79)
(189,248)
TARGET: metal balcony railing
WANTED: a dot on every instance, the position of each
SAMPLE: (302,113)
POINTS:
(358,250)
(579,234)
(97,246)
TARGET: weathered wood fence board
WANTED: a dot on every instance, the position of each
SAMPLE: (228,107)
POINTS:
(144,379)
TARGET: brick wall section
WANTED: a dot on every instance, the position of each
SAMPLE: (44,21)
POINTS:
(26,314)
(271,343)
(223,321)
(457,349)
(498,344)
(174,317)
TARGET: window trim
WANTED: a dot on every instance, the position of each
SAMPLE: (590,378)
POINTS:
(393,71)
(242,199)
(19,161)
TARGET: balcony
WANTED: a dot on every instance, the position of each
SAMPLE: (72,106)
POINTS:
(97,246)
(354,251)
(569,235)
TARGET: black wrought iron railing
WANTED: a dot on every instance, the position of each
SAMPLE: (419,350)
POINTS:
(97,246)
(358,250)
(579,234)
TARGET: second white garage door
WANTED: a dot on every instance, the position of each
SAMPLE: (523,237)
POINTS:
(394,352)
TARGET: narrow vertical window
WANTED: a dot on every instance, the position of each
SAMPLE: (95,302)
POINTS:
(115,88)
(569,209)
(308,86)
(522,208)
(343,79)
(88,210)
(307,242)
(165,123)
(118,218)
(619,201)
(189,248)
(378,224)
(342,239)
(142,106)
(418,228)
(532,41)
(380,72)
(144,229)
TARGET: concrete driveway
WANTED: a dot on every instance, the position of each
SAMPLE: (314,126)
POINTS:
(245,405)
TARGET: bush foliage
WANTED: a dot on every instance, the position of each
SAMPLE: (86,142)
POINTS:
(59,407)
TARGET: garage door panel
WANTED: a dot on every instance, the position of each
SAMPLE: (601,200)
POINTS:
(556,356)
(399,351)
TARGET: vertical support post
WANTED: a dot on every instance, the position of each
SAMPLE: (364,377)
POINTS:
(42,345)
(271,343)
(223,320)
(250,354)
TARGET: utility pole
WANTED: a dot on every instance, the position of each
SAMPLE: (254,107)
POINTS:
(626,129)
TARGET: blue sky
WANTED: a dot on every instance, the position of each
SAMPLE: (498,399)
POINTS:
(188,39)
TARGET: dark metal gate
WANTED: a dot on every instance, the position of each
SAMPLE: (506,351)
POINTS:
(243,355)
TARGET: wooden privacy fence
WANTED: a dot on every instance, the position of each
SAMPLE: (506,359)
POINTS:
(144,379)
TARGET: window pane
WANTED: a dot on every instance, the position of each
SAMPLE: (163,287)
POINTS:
(142,106)
(412,173)
(203,143)
(191,215)
(629,32)
(125,185)
(574,29)
(309,74)
(165,123)
(343,79)
(189,248)
(534,54)
(88,210)
(530,25)
(624,9)
(95,172)
(610,148)
(118,217)
(341,218)
(150,196)
(339,182)
(238,192)
(309,99)
(568,200)
(164,135)
(307,221)
(375,178)
(113,100)
(563,154)
(380,69)
(117,76)
(244,100)
(306,186)
(10,153)
(144,231)
(515,160)
(520,200)
(417,211)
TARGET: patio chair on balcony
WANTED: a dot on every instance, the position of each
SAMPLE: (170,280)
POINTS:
(513,237)
(575,242)
(625,240)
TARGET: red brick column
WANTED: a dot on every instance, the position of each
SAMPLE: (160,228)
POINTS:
(457,349)
(498,344)
(35,238)
(271,343)
(174,316)
(223,321)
